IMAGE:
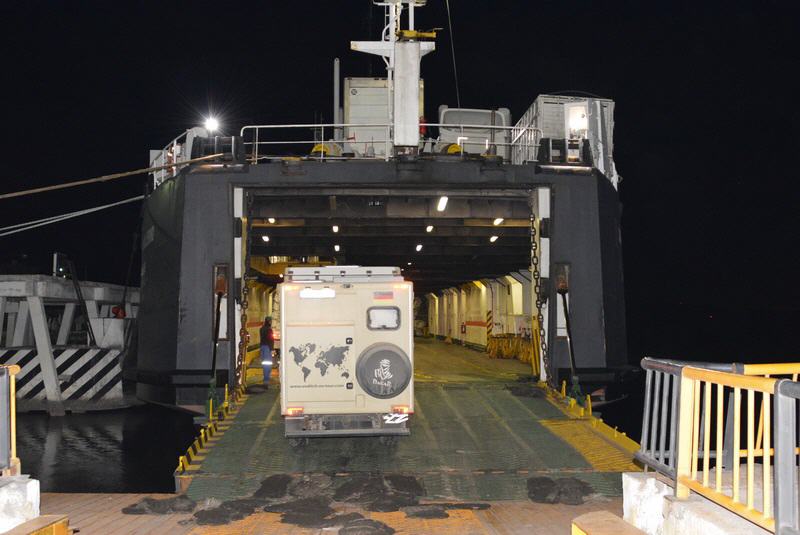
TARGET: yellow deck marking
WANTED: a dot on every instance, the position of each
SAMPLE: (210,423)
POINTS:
(598,452)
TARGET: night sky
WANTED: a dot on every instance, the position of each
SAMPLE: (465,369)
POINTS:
(706,127)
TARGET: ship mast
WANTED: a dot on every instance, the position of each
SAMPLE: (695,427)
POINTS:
(401,50)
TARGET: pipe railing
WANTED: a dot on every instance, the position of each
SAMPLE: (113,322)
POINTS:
(9,463)
(704,391)
(254,138)
(659,420)
(787,517)
(712,429)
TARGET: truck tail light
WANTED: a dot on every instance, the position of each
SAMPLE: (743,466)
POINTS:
(402,409)
(294,411)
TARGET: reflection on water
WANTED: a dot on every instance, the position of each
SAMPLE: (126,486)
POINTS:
(129,450)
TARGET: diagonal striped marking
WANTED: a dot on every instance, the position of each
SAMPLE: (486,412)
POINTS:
(117,380)
(14,357)
(86,374)
(34,391)
(68,358)
(78,370)
(33,379)
(27,363)
(109,364)
(598,452)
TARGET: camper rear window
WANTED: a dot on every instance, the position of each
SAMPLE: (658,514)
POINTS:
(383,318)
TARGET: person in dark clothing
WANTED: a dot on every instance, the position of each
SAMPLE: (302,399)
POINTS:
(267,344)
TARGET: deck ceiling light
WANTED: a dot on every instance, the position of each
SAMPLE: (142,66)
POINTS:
(335,228)
(493,239)
(498,221)
(211,124)
(419,247)
(271,220)
(442,203)
(409,263)
(265,238)
(429,228)
(336,248)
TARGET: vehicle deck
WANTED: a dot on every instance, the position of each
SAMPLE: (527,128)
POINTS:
(481,438)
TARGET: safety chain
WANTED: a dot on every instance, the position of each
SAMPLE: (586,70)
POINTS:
(244,336)
(537,286)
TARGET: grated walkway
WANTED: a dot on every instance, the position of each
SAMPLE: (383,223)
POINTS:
(472,438)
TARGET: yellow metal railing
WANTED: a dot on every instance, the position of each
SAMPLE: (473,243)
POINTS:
(702,392)
(13,467)
(789,370)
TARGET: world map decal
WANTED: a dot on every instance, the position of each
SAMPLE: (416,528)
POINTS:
(310,357)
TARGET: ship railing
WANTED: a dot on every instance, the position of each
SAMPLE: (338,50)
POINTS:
(171,153)
(176,151)
(659,420)
(9,463)
(338,141)
(713,412)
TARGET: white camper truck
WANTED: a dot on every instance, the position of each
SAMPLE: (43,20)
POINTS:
(348,352)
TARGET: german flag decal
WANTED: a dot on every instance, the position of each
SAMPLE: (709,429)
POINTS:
(383,296)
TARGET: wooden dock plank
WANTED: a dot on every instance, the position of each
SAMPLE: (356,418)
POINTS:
(102,515)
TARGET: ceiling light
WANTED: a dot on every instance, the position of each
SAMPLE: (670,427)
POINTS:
(429,228)
(409,263)
(211,124)
(271,220)
(493,239)
(442,203)
(336,248)
(265,238)
(335,228)
(498,221)
(419,247)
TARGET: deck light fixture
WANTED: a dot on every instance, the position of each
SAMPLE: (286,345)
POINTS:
(336,248)
(493,239)
(498,221)
(409,263)
(442,203)
(211,124)
(419,247)
(271,220)
(265,238)
(335,228)
(429,228)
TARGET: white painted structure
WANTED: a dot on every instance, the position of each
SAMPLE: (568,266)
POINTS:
(568,117)
(402,57)
(650,505)
(19,501)
(38,316)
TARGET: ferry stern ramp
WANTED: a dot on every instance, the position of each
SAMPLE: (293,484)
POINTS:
(496,453)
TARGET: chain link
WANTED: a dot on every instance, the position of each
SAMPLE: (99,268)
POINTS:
(537,287)
(244,336)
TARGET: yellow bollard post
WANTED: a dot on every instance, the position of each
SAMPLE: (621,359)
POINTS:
(225,404)
(589,404)
(564,388)
(210,410)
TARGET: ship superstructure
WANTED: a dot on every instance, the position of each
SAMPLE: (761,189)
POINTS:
(507,229)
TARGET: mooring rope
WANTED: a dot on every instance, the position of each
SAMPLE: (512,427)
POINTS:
(104,178)
(22,227)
